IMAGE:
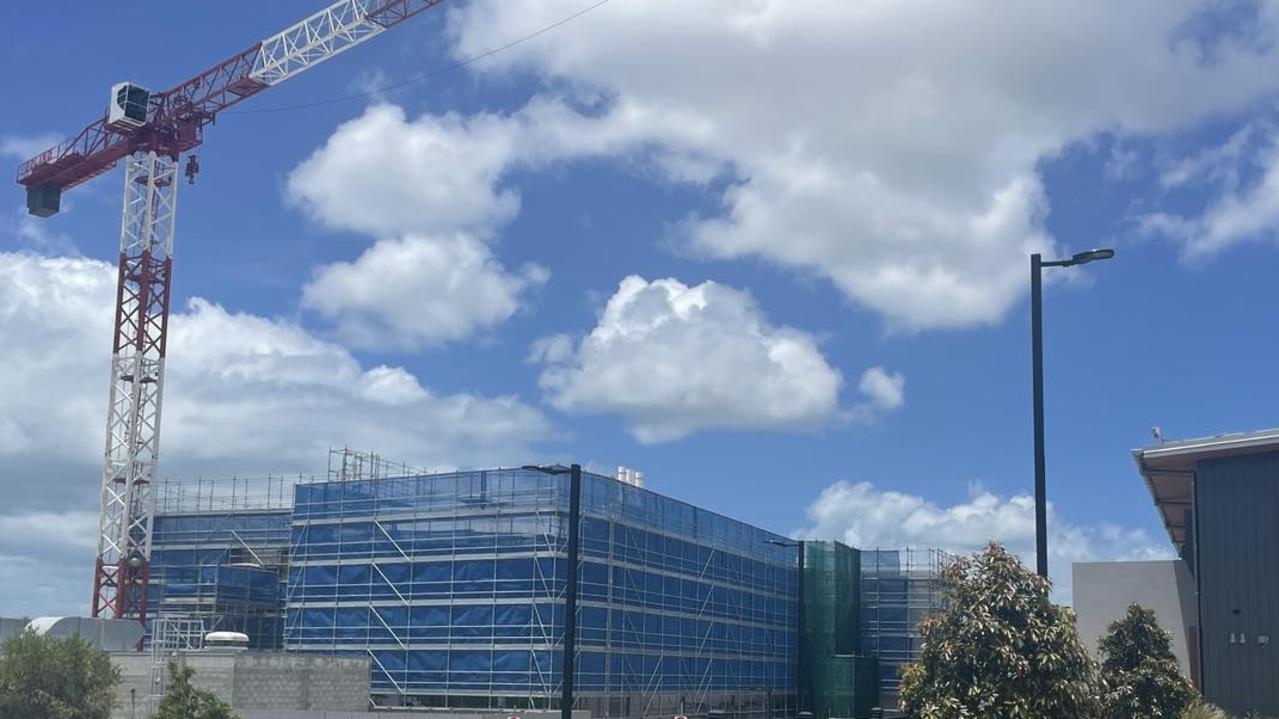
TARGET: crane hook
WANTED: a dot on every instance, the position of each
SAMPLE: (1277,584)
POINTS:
(193,167)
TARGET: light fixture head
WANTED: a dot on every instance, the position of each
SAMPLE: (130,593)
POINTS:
(1083,258)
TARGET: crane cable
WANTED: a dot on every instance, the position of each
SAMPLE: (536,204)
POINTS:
(425,76)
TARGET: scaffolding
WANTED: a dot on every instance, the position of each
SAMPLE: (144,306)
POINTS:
(227,494)
(898,589)
(347,464)
(453,585)
(220,554)
(171,635)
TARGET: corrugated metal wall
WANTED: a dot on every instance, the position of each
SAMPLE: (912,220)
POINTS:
(1238,571)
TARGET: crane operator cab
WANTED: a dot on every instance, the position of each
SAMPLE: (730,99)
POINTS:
(128,106)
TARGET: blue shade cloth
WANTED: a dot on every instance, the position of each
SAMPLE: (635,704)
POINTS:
(467,573)
(203,566)
(454,584)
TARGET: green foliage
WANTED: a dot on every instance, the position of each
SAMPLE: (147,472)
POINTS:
(183,701)
(1002,650)
(1204,710)
(1141,677)
(46,678)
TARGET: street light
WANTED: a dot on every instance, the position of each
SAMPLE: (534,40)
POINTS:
(570,589)
(799,623)
(1037,364)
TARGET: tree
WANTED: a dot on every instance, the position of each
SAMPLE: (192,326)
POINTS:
(1001,650)
(1139,670)
(183,701)
(46,678)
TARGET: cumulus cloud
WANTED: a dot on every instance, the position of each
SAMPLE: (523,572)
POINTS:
(381,174)
(891,147)
(416,291)
(385,174)
(433,192)
(674,359)
(865,516)
(885,390)
(237,385)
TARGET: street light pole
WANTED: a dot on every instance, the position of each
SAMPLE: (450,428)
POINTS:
(570,587)
(1037,383)
(1037,264)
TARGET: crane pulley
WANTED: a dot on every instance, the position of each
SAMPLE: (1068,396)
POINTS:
(149,131)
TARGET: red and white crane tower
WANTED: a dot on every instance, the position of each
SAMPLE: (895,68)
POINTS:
(150,131)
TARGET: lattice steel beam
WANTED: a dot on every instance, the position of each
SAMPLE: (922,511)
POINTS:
(137,386)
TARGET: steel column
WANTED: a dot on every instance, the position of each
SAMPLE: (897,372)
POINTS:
(1037,381)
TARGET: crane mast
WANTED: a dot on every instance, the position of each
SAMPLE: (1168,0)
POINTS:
(149,132)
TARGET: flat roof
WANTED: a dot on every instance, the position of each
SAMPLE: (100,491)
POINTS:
(1169,467)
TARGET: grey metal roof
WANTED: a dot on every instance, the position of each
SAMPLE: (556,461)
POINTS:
(1169,467)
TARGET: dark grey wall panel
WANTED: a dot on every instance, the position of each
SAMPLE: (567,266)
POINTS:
(1238,504)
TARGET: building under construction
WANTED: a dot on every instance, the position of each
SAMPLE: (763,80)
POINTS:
(454,587)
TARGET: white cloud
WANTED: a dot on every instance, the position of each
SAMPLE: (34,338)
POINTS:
(886,390)
(416,291)
(890,146)
(675,359)
(864,516)
(238,386)
(380,174)
(383,174)
(24,147)
(433,191)
(1242,208)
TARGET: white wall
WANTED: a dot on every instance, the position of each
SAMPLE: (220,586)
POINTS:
(1103,591)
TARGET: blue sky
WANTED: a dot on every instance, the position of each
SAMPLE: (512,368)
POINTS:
(440,272)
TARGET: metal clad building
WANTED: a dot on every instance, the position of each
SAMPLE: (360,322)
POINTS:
(1236,499)
(1219,498)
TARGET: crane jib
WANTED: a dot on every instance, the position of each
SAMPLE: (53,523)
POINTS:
(176,117)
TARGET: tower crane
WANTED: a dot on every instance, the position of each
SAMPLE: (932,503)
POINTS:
(150,131)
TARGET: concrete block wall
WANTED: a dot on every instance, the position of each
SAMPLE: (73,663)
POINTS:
(301,681)
(253,681)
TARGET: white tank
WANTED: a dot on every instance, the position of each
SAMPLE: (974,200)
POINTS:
(235,641)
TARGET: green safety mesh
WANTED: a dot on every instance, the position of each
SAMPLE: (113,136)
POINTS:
(834,682)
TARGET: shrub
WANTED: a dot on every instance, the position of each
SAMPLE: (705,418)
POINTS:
(183,701)
(1142,680)
(1002,649)
(46,678)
